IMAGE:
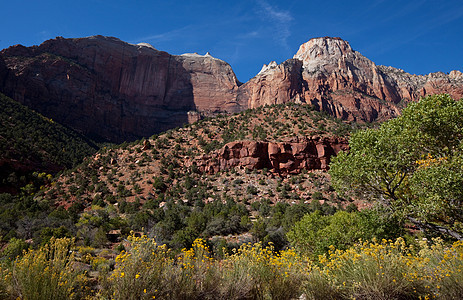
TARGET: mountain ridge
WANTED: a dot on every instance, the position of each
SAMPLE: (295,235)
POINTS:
(111,90)
(115,91)
(329,74)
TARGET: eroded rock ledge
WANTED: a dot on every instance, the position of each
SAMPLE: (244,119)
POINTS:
(311,153)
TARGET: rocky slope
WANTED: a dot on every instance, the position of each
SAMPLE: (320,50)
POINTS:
(329,74)
(112,90)
(258,150)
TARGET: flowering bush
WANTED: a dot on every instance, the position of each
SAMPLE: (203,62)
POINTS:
(377,270)
(389,270)
(48,273)
(147,270)
(256,272)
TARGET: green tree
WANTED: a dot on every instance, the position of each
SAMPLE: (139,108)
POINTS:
(412,164)
(315,232)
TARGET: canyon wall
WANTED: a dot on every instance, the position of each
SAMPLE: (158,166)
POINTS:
(114,91)
(329,74)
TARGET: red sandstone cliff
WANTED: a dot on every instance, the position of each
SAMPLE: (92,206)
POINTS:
(281,158)
(329,74)
(112,90)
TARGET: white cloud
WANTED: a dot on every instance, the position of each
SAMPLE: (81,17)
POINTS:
(281,20)
(165,36)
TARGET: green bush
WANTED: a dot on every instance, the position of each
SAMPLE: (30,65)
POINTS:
(315,233)
(15,248)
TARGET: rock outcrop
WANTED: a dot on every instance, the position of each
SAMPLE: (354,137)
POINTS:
(280,157)
(112,90)
(330,75)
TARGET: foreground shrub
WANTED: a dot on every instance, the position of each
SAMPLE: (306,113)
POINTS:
(256,272)
(148,270)
(48,273)
(385,270)
(5,277)
(445,265)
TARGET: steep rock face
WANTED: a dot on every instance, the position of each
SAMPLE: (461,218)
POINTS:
(112,90)
(275,85)
(3,71)
(329,74)
(280,158)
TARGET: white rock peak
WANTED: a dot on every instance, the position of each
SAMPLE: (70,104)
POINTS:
(208,55)
(146,45)
(271,65)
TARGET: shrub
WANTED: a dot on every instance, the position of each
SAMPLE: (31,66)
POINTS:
(389,270)
(317,196)
(444,265)
(5,276)
(256,272)
(148,271)
(315,233)
(48,273)
(252,190)
(380,270)
(14,249)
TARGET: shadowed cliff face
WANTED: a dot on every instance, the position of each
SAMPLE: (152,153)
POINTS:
(115,91)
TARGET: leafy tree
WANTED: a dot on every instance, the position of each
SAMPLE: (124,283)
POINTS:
(412,164)
(315,232)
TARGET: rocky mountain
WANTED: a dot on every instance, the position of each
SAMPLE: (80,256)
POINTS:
(329,74)
(114,91)
(110,90)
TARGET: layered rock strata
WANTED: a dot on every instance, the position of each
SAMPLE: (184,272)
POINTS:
(329,74)
(112,90)
(278,157)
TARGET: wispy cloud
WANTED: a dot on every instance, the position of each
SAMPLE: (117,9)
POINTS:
(165,36)
(281,20)
(250,34)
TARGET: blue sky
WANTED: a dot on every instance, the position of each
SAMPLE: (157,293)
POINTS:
(419,36)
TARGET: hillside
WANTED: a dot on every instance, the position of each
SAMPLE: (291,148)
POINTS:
(32,143)
(158,184)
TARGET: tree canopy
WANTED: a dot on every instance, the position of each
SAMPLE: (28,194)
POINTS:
(412,164)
